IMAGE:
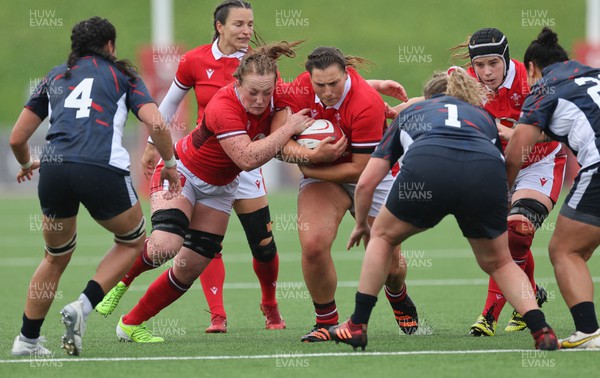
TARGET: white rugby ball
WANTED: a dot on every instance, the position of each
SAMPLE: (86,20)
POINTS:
(319,130)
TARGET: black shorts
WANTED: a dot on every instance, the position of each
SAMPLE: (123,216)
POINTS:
(104,192)
(436,181)
(583,202)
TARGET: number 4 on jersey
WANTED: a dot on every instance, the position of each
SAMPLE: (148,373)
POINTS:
(80,98)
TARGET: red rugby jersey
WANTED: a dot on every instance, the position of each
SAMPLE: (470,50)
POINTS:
(225,117)
(507,103)
(360,113)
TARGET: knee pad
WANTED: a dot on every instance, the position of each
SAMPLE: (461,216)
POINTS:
(134,235)
(203,243)
(257,226)
(170,220)
(532,209)
(264,253)
(64,249)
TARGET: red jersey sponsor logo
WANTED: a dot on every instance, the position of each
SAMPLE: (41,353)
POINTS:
(543,181)
(257,182)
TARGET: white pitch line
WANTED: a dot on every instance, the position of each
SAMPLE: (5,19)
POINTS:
(530,352)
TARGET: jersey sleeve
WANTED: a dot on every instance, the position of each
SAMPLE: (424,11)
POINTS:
(390,147)
(184,77)
(38,102)
(225,119)
(367,129)
(293,95)
(137,95)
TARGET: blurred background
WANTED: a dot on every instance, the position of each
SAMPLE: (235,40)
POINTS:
(407,41)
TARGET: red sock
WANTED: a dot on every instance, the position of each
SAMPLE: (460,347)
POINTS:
(529,268)
(267,273)
(213,279)
(165,290)
(495,300)
(326,313)
(141,264)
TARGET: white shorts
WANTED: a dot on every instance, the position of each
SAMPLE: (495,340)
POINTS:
(252,185)
(545,176)
(197,190)
(379,196)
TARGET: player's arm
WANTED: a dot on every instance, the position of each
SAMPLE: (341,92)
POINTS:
(519,146)
(341,173)
(375,171)
(24,128)
(249,155)
(392,112)
(158,130)
(292,152)
(389,88)
(168,107)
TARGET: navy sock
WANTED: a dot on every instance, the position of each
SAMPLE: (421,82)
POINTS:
(363,307)
(535,320)
(94,293)
(584,316)
(31,327)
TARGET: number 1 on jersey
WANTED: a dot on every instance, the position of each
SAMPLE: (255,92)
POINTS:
(80,98)
(452,119)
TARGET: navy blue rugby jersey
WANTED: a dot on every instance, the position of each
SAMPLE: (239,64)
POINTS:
(565,104)
(88,112)
(441,121)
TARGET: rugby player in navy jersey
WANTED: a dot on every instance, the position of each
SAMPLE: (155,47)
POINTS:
(87,100)
(565,105)
(439,140)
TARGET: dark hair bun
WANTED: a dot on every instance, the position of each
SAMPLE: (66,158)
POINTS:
(547,37)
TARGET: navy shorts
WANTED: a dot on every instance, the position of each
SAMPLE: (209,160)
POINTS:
(104,192)
(583,202)
(436,181)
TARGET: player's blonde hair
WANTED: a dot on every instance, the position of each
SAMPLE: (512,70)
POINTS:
(457,84)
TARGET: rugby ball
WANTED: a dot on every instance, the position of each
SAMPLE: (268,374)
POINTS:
(319,130)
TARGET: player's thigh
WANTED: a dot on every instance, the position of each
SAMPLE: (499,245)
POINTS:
(321,207)
(251,194)
(209,219)
(393,230)
(250,205)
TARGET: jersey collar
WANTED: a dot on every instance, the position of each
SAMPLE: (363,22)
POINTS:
(510,76)
(347,87)
(217,54)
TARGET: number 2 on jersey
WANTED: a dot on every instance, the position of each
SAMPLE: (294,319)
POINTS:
(452,119)
(80,98)
(593,91)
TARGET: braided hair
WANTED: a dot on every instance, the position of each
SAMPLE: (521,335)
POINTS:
(89,37)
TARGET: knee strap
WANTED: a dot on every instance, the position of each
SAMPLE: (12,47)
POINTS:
(134,235)
(532,209)
(64,249)
(203,243)
(170,220)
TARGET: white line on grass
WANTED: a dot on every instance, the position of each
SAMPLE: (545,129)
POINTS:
(274,356)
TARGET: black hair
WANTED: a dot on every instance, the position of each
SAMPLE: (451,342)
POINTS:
(222,12)
(545,50)
(89,37)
